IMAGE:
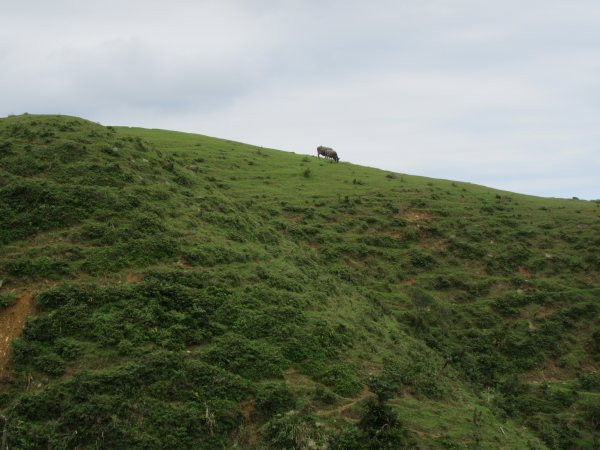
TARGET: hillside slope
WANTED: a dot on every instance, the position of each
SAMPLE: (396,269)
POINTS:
(193,292)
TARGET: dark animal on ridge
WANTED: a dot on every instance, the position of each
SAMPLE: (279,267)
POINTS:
(327,152)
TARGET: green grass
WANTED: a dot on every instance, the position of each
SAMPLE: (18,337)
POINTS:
(477,305)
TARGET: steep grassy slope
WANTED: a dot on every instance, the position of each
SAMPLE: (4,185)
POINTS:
(193,292)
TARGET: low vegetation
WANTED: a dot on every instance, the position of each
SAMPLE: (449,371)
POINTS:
(194,292)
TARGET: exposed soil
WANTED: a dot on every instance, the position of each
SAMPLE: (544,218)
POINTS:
(395,234)
(247,409)
(524,272)
(182,263)
(131,277)
(434,244)
(549,372)
(415,216)
(12,320)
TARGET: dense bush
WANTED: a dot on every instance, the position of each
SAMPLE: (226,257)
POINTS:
(274,398)
(294,430)
(7,299)
(590,381)
(254,360)
(381,428)
(112,406)
(28,207)
(341,379)
(42,267)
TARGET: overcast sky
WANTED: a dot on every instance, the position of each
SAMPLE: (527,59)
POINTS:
(504,93)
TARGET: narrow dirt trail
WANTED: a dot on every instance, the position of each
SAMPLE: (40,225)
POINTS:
(12,320)
(341,411)
(364,393)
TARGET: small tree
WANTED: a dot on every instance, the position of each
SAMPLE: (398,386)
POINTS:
(380,427)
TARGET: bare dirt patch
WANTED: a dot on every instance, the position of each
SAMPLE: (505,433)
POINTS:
(409,282)
(247,409)
(295,378)
(181,263)
(549,372)
(131,277)
(395,234)
(524,272)
(12,320)
(416,216)
(433,244)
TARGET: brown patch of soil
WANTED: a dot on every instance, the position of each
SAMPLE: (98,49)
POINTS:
(419,433)
(409,282)
(434,244)
(549,372)
(416,216)
(247,409)
(12,320)
(395,234)
(524,272)
(181,263)
(133,277)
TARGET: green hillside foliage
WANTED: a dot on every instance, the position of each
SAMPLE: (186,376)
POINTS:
(198,293)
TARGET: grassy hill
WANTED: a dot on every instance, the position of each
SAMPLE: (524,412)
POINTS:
(191,292)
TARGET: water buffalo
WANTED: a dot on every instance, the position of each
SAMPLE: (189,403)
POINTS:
(327,152)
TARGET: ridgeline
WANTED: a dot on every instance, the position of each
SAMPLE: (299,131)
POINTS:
(188,292)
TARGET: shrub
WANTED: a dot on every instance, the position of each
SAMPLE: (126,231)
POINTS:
(418,370)
(42,267)
(591,414)
(253,360)
(49,363)
(590,381)
(325,395)
(67,349)
(28,207)
(7,299)
(384,386)
(341,379)
(294,430)
(274,398)
(381,428)
(62,295)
